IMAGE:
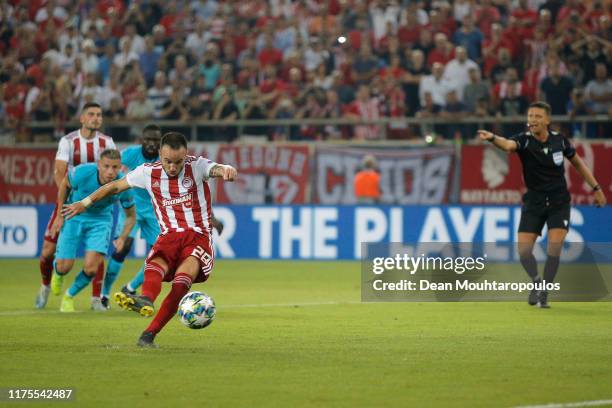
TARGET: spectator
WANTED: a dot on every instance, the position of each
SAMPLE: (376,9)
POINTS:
(159,94)
(174,108)
(137,43)
(365,107)
(226,110)
(442,52)
(126,55)
(148,60)
(599,90)
(556,90)
(365,66)
(457,71)
(435,85)
(197,40)
(411,80)
(469,37)
(89,59)
(511,92)
(580,106)
(210,66)
(475,91)
(315,54)
(140,108)
(115,111)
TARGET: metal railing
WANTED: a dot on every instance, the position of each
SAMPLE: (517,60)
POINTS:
(285,129)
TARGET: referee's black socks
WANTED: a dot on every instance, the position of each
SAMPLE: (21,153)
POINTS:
(531,265)
(550,268)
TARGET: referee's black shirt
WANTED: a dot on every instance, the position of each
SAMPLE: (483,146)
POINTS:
(543,168)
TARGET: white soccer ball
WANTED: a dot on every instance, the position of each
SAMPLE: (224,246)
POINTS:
(196,310)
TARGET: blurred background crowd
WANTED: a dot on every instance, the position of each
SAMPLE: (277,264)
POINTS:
(147,60)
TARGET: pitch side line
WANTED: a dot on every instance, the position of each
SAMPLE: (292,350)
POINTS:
(594,403)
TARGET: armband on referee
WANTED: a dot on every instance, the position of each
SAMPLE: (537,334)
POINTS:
(86,202)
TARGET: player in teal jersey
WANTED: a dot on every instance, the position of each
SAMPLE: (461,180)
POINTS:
(93,227)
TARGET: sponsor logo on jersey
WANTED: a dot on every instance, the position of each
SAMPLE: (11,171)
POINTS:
(184,199)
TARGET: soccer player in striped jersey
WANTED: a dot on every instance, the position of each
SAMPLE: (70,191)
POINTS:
(81,146)
(183,253)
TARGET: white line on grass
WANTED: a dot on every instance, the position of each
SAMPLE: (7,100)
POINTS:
(238,306)
(594,403)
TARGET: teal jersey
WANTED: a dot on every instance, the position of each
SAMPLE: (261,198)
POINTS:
(84,181)
(131,158)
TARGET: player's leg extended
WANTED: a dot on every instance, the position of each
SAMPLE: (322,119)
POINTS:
(90,268)
(155,270)
(185,274)
(65,253)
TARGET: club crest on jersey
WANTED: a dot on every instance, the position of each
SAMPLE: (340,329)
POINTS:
(187,183)
(185,200)
(558,158)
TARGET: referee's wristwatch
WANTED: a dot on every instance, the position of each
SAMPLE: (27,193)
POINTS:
(596,187)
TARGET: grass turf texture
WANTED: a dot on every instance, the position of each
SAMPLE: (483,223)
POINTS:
(272,345)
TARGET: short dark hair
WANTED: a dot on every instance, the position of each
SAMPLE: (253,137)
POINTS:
(151,127)
(174,140)
(90,105)
(541,105)
(112,154)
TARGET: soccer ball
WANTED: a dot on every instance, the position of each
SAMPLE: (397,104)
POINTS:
(196,310)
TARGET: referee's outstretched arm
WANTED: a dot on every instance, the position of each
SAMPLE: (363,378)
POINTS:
(499,141)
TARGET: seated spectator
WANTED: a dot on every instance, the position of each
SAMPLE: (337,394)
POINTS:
(89,59)
(510,89)
(228,111)
(148,60)
(365,66)
(411,80)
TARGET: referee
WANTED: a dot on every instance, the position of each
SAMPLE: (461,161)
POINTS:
(547,200)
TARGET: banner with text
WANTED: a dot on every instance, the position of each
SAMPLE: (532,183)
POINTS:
(490,176)
(408,176)
(26,176)
(272,174)
(331,232)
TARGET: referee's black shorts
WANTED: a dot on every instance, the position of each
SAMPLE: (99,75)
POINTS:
(540,209)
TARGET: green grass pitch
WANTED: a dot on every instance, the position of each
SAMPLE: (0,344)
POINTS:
(294,334)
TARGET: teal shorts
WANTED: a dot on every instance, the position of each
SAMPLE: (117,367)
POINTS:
(147,225)
(94,233)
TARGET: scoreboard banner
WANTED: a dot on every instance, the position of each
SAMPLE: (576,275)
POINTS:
(272,174)
(26,176)
(325,232)
(491,176)
(408,176)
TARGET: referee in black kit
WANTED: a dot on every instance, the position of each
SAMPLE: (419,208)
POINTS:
(547,199)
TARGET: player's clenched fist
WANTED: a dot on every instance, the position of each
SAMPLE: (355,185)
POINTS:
(225,171)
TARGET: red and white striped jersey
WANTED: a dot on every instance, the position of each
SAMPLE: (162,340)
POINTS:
(75,149)
(181,203)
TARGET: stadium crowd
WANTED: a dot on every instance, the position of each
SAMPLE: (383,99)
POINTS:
(146,60)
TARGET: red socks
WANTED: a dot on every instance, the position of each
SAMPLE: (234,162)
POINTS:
(180,287)
(96,283)
(153,275)
(46,269)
